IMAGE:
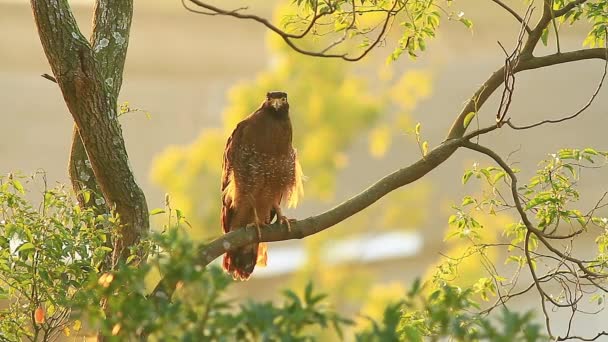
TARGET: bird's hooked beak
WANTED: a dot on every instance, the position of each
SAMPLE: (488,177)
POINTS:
(276,103)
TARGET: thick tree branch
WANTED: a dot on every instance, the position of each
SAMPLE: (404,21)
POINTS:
(110,39)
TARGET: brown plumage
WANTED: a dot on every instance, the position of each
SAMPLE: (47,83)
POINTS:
(260,171)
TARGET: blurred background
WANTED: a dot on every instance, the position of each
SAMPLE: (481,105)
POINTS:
(190,78)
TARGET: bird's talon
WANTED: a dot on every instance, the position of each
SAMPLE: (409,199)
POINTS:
(286,221)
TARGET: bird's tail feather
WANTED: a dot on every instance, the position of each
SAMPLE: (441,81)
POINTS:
(241,262)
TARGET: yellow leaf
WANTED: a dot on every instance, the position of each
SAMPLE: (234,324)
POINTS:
(116,329)
(66,331)
(425,148)
(77,325)
(106,279)
(50,309)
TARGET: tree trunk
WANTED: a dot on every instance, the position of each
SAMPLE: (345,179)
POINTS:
(89,75)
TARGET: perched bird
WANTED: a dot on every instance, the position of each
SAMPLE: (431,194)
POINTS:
(260,171)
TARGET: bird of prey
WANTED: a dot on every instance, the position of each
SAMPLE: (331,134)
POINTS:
(260,171)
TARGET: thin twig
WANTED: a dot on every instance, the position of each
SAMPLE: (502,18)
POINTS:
(578,112)
(49,77)
(514,14)
(289,37)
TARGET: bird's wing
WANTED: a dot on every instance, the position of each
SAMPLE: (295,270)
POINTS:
(228,185)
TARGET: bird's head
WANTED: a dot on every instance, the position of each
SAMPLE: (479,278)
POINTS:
(277,102)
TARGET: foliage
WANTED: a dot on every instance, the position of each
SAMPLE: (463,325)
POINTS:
(550,201)
(446,312)
(52,283)
(360,24)
(201,307)
(47,253)
(596,12)
(357,23)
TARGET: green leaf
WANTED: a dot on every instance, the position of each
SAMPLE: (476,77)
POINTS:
(467,200)
(308,292)
(467,22)
(467,119)
(589,150)
(544,36)
(18,186)
(25,247)
(157,211)
(498,177)
(86,196)
(467,175)
(589,41)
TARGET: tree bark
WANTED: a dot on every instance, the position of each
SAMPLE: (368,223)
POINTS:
(89,75)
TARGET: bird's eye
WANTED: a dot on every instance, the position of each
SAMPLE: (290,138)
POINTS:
(284,100)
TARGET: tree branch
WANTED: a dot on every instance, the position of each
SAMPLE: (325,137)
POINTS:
(568,7)
(289,37)
(236,13)
(110,39)
(527,63)
(547,15)
(514,14)
(578,112)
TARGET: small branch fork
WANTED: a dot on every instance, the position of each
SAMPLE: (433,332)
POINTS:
(289,38)
(578,112)
(510,66)
(570,271)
